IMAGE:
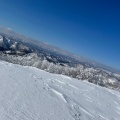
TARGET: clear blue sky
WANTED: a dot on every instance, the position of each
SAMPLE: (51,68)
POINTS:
(90,28)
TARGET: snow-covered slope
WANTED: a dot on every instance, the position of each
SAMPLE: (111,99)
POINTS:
(27,93)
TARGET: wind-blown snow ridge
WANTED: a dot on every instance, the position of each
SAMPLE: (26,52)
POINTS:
(27,93)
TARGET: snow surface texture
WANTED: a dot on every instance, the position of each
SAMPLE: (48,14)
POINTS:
(27,93)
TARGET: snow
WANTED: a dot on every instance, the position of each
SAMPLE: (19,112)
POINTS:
(27,93)
(9,29)
(112,81)
(1,39)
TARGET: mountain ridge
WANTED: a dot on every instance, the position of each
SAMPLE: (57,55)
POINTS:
(22,50)
(10,32)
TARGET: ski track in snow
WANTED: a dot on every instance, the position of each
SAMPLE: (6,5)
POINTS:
(27,93)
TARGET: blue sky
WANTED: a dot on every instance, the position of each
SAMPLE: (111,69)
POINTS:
(90,28)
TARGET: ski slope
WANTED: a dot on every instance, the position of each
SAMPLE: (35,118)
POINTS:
(27,93)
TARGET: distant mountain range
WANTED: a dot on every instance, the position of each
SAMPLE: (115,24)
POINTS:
(23,50)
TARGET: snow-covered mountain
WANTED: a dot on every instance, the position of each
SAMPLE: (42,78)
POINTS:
(28,93)
(19,49)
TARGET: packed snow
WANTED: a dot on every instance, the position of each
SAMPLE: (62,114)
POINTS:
(27,93)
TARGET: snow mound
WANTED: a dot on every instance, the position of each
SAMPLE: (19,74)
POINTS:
(27,93)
